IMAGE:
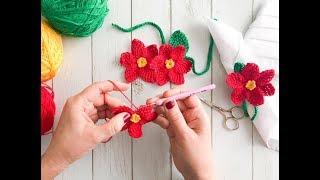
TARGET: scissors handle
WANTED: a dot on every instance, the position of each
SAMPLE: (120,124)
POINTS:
(227,123)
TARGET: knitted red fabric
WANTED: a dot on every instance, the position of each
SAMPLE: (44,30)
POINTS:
(251,85)
(170,65)
(137,62)
(48,109)
(142,115)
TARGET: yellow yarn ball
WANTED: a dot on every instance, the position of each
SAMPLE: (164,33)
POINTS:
(51,52)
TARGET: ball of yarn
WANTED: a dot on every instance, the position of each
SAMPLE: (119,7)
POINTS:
(51,52)
(48,109)
(78,18)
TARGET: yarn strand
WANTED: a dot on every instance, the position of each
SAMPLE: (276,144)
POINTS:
(163,41)
(209,60)
(245,109)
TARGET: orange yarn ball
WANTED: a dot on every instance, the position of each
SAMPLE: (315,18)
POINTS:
(48,109)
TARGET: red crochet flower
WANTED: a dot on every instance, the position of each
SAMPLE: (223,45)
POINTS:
(142,115)
(137,62)
(251,85)
(170,65)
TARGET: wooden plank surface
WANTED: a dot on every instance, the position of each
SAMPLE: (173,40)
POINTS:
(151,157)
(112,160)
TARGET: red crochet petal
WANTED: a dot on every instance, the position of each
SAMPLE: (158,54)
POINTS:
(135,130)
(268,89)
(158,62)
(131,74)
(265,77)
(238,96)
(165,50)
(127,59)
(161,77)
(137,48)
(235,80)
(146,113)
(176,78)
(182,66)
(120,109)
(126,126)
(255,97)
(250,72)
(152,51)
(147,75)
(178,53)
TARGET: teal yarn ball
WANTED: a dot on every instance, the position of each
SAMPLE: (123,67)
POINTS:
(79,18)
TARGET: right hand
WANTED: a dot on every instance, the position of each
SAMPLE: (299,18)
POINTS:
(189,131)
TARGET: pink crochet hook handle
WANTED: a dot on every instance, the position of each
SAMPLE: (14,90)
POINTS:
(185,94)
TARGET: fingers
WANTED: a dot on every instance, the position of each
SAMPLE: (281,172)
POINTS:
(112,102)
(113,126)
(94,93)
(172,92)
(192,102)
(175,117)
(162,121)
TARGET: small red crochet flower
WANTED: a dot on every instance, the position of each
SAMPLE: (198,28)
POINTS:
(170,65)
(249,84)
(137,61)
(142,115)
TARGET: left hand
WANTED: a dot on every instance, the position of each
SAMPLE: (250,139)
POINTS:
(77,133)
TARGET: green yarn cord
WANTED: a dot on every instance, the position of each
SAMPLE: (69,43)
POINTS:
(209,59)
(79,18)
(245,110)
(139,26)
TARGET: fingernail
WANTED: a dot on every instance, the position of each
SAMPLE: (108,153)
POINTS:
(126,117)
(169,105)
(107,140)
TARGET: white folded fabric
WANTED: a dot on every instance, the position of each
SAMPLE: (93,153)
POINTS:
(261,46)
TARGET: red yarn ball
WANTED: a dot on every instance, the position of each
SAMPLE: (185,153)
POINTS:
(48,109)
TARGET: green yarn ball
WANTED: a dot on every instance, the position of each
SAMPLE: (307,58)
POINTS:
(78,18)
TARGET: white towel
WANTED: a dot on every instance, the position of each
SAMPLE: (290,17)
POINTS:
(261,46)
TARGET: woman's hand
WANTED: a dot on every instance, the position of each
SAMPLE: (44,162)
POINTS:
(77,133)
(189,131)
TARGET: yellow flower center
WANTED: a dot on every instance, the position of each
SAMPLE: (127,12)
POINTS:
(142,62)
(251,84)
(135,118)
(169,63)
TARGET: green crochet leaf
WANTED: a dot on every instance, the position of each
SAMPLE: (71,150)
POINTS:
(179,38)
(238,67)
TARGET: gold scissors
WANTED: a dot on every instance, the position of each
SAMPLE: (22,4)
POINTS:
(233,114)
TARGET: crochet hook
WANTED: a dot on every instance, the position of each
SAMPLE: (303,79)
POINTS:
(185,94)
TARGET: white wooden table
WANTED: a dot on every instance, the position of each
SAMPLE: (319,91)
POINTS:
(238,155)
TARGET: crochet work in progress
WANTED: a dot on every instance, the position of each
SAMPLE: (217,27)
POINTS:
(138,118)
(168,64)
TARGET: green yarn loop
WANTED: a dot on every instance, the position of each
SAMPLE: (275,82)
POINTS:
(79,18)
(139,26)
(245,110)
(209,60)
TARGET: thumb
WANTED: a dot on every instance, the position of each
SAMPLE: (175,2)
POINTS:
(113,126)
(175,117)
